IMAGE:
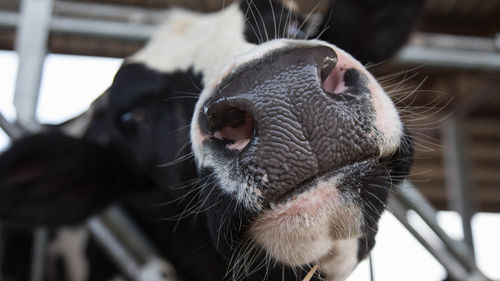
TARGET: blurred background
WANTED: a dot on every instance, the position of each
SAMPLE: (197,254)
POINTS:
(445,82)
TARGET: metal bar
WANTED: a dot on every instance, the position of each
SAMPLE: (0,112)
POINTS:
(414,200)
(13,131)
(438,250)
(459,42)
(8,19)
(114,12)
(130,232)
(100,28)
(108,12)
(31,46)
(459,190)
(129,247)
(122,257)
(90,27)
(406,197)
(38,255)
(449,58)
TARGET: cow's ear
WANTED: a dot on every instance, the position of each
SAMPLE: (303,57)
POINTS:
(370,30)
(54,179)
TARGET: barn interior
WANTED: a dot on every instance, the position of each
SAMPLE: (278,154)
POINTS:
(445,82)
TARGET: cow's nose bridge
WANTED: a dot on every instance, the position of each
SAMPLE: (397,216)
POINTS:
(261,89)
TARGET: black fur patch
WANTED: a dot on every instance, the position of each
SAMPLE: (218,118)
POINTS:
(151,113)
(372,30)
(374,193)
(53,179)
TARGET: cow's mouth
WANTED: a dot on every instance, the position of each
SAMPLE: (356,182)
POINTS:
(301,188)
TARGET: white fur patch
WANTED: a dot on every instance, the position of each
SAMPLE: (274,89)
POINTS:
(307,228)
(206,42)
(342,260)
(387,120)
(157,270)
(70,244)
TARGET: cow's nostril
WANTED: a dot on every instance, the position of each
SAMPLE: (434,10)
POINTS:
(332,78)
(234,127)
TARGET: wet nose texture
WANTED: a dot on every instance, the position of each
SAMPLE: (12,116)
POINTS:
(296,127)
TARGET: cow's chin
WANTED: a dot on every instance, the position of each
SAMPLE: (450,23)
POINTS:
(306,228)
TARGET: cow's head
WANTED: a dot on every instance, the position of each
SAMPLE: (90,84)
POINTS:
(295,142)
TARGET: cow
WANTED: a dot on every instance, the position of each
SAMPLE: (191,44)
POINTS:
(247,143)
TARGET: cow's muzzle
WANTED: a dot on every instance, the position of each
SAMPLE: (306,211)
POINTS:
(290,116)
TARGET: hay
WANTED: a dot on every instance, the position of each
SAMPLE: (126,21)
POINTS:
(310,274)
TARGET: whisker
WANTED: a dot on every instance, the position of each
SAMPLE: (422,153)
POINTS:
(274,18)
(261,37)
(261,20)
(326,27)
(176,161)
(305,20)
(279,24)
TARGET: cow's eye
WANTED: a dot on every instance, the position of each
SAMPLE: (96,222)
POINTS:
(130,121)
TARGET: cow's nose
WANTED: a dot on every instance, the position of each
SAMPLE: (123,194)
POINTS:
(261,90)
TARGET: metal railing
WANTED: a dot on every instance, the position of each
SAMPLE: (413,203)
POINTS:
(454,255)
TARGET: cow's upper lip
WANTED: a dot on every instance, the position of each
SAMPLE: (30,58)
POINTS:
(292,193)
(306,185)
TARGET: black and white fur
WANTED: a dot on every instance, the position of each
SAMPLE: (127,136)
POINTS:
(137,139)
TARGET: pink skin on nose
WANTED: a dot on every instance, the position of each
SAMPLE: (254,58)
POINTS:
(334,82)
(239,135)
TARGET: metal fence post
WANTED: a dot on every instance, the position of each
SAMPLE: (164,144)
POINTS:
(459,189)
(31,46)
